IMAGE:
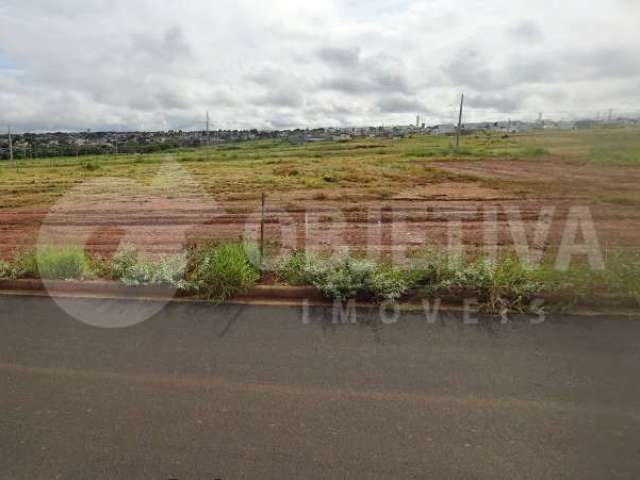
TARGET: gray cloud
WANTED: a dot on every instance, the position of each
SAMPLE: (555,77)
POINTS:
(526,31)
(399,104)
(170,47)
(342,57)
(507,103)
(474,68)
(574,65)
(133,64)
(477,70)
(280,98)
(366,75)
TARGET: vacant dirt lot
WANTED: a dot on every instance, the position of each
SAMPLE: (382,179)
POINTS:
(384,196)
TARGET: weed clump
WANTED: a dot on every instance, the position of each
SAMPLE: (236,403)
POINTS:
(392,283)
(220,271)
(127,267)
(293,269)
(52,263)
(507,284)
(6,270)
(346,277)
(342,279)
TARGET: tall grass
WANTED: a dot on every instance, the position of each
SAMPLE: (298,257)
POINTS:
(6,270)
(619,154)
(221,271)
(345,277)
(129,268)
(53,263)
(507,284)
(503,285)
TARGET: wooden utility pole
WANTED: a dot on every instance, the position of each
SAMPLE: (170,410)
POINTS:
(262,231)
(11,147)
(459,130)
(208,140)
(207,128)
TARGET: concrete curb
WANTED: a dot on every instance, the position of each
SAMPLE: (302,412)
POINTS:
(266,294)
(112,288)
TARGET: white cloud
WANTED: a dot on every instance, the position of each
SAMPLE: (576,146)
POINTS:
(141,64)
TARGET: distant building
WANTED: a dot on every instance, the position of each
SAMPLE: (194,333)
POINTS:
(444,129)
(584,124)
(343,137)
(315,138)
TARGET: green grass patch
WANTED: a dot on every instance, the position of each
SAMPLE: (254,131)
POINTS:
(619,154)
(6,270)
(346,277)
(499,286)
(52,263)
(127,267)
(221,271)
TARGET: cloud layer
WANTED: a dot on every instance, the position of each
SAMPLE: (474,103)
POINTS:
(138,64)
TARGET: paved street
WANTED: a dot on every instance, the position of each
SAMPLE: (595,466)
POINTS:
(204,392)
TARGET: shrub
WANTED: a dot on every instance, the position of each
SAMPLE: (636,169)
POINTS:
(53,263)
(341,279)
(347,277)
(98,267)
(391,283)
(431,268)
(474,277)
(220,271)
(511,285)
(505,284)
(293,269)
(170,271)
(123,261)
(166,271)
(621,277)
(130,270)
(26,264)
(627,277)
(6,270)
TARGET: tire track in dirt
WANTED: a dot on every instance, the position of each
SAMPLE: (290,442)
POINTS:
(380,226)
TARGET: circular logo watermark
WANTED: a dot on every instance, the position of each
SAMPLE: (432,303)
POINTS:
(136,232)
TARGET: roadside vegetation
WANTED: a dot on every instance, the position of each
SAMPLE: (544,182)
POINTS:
(500,286)
(53,263)
(220,271)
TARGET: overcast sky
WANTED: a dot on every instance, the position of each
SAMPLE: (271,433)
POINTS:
(150,65)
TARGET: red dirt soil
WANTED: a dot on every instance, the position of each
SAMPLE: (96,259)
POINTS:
(160,226)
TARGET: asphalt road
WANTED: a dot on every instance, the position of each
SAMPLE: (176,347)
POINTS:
(205,392)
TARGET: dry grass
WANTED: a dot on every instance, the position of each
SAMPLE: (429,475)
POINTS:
(367,169)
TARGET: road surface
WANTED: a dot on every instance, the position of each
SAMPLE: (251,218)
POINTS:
(206,392)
